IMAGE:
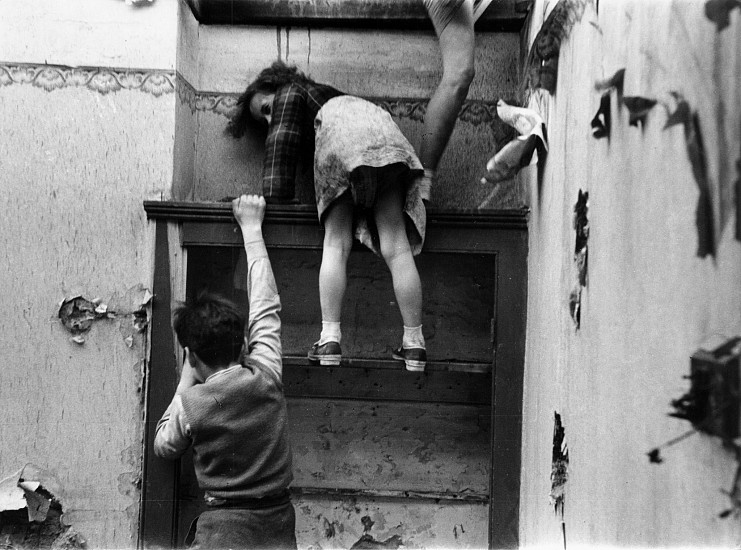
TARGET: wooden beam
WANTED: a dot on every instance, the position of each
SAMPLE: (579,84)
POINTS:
(303,380)
(506,420)
(299,490)
(502,15)
(159,488)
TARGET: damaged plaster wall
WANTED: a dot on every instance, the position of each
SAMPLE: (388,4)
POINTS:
(81,150)
(650,300)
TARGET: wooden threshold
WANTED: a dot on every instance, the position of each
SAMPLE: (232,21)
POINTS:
(466,496)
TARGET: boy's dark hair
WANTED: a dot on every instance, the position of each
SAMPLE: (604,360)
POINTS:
(267,82)
(212,326)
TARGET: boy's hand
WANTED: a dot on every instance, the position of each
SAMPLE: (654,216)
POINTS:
(188,377)
(249,211)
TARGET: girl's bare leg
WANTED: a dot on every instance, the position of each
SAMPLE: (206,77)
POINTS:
(336,249)
(397,253)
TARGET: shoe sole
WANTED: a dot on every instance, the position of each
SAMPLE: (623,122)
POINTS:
(326,360)
(410,364)
(415,366)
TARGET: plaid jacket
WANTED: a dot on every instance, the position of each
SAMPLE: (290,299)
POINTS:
(291,135)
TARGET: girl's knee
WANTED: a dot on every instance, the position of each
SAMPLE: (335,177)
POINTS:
(338,242)
(395,248)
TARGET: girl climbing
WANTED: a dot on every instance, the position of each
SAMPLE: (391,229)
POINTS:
(363,169)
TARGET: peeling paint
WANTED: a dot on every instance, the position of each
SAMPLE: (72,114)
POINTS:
(581,228)
(77,314)
(368,542)
(31,514)
(559,465)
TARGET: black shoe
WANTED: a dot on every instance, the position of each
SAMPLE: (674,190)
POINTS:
(415,359)
(327,355)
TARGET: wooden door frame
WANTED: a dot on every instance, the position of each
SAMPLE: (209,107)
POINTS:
(500,233)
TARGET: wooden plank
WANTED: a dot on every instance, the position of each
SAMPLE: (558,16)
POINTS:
(407,14)
(387,384)
(506,440)
(390,446)
(300,490)
(458,303)
(382,364)
(159,487)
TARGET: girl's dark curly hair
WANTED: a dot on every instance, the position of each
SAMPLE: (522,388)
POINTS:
(267,82)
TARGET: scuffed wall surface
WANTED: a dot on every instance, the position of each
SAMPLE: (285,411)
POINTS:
(106,33)
(649,301)
(424,447)
(78,160)
(73,181)
(341,523)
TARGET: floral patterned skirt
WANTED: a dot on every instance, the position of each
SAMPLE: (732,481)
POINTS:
(361,150)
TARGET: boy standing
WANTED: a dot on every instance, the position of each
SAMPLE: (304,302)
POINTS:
(232,412)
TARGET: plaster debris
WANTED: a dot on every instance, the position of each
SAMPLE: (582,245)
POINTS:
(17,493)
(147,297)
(367,542)
(31,516)
(141,320)
(367,523)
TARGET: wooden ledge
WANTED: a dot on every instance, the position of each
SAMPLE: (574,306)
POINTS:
(299,214)
(501,15)
(470,497)
(379,380)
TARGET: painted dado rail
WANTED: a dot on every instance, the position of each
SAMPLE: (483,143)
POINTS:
(499,15)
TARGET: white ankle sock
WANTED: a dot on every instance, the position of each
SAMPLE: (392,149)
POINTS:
(413,337)
(330,332)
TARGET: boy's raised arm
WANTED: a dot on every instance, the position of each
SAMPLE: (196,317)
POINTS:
(263,339)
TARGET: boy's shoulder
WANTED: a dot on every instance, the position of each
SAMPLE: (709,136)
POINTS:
(251,375)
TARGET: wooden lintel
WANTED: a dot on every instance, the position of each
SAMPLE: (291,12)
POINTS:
(500,16)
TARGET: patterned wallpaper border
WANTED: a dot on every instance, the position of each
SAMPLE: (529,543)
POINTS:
(106,80)
(473,111)
(103,80)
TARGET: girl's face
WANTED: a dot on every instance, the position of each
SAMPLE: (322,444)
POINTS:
(261,106)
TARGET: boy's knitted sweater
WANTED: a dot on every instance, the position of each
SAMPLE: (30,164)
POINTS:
(238,425)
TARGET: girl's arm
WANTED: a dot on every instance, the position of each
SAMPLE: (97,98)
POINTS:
(282,146)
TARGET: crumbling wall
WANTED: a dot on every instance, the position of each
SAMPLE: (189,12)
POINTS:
(655,286)
(87,101)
